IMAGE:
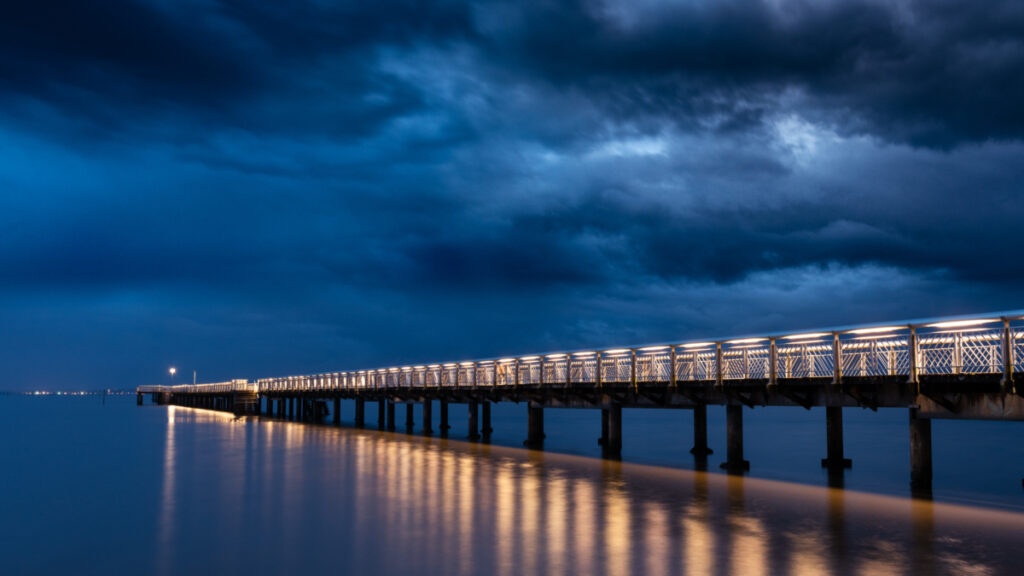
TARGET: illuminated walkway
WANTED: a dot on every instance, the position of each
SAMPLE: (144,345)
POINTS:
(961,367)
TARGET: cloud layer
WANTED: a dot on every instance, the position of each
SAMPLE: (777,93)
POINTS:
(249,191)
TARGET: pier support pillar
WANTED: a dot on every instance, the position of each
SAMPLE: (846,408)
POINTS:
(920,453)
(409,416)
(444,418)
(291,407)
(138,399)
(534,427)
(428,408)
(382,419)
(474,431)
(360,412)
(486,429)
(391,415)
(700,432)
(604,428)
(734,462)
(613,441)
(337,411)
(834,431)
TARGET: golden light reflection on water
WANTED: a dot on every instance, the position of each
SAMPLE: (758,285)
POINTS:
(391,502)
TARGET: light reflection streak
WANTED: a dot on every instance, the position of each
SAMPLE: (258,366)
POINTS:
(617,534)
(457,508)
(657,536)
(529,505)
(167,501)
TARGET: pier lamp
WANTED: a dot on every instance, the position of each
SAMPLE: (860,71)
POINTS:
(172,371)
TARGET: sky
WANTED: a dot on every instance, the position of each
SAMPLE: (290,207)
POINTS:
(255,189)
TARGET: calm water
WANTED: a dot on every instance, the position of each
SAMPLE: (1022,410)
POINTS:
(88,488)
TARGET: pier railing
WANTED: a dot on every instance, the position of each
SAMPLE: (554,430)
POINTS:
(975,345)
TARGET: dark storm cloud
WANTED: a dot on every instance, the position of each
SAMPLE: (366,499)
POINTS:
(116,65)
(269,188)
(928,73)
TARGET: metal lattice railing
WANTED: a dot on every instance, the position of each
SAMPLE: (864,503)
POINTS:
(696,365)
(992,344)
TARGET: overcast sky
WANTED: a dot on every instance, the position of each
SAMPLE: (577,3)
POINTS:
(253,189)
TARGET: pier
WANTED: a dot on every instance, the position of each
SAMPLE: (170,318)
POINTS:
(962,367)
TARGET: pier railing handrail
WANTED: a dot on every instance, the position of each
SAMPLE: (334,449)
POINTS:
(972,344)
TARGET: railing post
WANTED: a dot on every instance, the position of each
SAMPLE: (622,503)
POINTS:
(1008,359)
(773,360)
(632,371)
(719,380)
(672,366)
(516,368)
(597,376)
(568,370)
(837,360)
(958,354)
(912,358)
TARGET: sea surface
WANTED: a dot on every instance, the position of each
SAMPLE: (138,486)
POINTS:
(93,486)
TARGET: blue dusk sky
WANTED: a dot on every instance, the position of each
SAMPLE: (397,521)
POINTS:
(251,189)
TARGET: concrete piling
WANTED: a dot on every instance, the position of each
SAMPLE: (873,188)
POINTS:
(834,459)
(428,408)
(920,453)
(734,462)
(360,413)
(613,441)
(604,427)
(474,433)
(700,432)
(534,426)
(486,415)
(444,418)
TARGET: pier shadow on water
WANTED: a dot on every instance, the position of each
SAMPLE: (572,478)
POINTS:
(282,497)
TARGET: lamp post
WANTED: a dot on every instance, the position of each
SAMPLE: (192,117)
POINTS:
(172,371)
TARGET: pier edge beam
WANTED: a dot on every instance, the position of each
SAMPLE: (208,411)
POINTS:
(428,408)
(534,426)
(920,453)
(834,459)
(700,432)
(734,462)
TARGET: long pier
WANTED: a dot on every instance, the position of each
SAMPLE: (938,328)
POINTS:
(963,367)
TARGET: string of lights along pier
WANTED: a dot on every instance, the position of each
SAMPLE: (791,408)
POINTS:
(962,367)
